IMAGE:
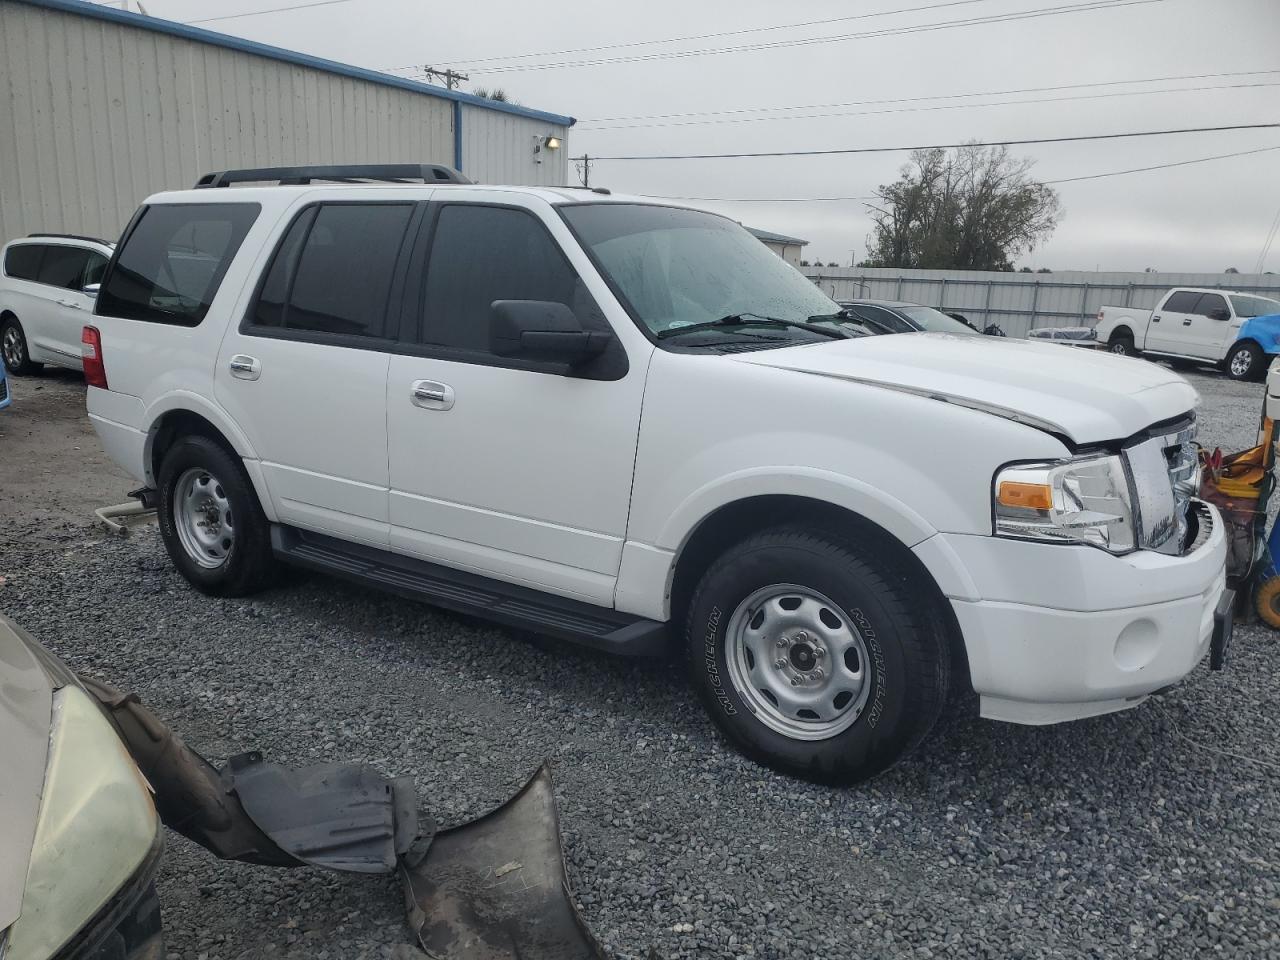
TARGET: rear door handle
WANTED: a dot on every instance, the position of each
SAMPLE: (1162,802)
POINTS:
(1155,319)
(245,367)
(431,395)
(1186,323)
(69,303)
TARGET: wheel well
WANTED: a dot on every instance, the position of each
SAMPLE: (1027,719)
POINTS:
(735,522)
(175,424)
(1245,342)
(1121,333)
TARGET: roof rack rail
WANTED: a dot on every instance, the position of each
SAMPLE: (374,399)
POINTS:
(337,173)
(577,186)
(71,236)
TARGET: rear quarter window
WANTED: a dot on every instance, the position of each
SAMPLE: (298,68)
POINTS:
(22,261)
(172,262)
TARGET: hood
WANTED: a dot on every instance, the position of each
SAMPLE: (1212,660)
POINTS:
(26,706)
(1086,396)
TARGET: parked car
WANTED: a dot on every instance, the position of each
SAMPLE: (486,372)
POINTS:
(1086,337)
(48,282)
(899,316)
(595,416)
(81,837)
(1237,331)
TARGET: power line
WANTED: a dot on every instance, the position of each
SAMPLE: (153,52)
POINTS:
(937,107)
(1266,244)
(946,96)
(1093,176)
(1089,6)
(258,13)
(709,36)
(945,146)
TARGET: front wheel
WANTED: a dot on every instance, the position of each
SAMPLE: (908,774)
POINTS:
(811,660)
(1244,361)
(210,520)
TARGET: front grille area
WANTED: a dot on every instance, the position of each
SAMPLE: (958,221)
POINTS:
(1165,474)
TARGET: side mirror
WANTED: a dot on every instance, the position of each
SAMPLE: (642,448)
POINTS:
(1222,313)
(91,289)
(542,330)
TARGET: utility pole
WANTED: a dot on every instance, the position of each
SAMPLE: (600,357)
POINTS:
(584,169)
(451,78)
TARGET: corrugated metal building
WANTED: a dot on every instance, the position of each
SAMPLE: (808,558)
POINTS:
(100,108)
(1019,302)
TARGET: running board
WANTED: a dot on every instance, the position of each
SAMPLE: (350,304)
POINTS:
(505,603)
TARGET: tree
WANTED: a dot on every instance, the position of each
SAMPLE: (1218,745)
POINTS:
(497,93)
(974,208)
(1044,270)
(1231,270)
(804,263)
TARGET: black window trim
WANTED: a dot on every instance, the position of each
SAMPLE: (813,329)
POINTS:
(39,261)
(415,299)
(127,235)
(1223,304)
(392,310)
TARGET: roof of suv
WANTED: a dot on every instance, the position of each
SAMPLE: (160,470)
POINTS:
(285,193)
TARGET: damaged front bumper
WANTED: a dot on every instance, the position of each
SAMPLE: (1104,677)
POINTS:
(492,889)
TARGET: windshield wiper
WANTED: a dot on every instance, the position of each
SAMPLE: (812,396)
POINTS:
(847,316)
(754,320)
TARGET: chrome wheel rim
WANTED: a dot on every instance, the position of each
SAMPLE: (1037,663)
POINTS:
(798,662)
(202,518)
(1241,361)
(12,347)
(1120,348)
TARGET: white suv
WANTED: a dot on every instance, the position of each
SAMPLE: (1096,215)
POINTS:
(595,416)
(47,285)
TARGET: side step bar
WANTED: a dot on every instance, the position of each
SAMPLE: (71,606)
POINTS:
(462,592)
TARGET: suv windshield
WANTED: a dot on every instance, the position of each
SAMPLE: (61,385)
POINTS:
(1254,306)
(935,321)
(678,268)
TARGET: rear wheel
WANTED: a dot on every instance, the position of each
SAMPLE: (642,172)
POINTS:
(1244,361)
(813,659)
(1121,344)
(13,347)
(210,520)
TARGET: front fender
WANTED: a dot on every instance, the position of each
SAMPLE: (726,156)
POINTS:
(1264,331)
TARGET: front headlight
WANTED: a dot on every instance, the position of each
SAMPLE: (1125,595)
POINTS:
(97,826)
(1072,501)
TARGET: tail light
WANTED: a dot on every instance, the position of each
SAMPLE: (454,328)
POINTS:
(95,374)
(1099,317)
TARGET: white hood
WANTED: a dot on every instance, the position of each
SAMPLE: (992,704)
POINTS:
(1085,395)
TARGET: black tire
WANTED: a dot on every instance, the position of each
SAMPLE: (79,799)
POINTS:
(248,564)
(13,348)
(908,666)
(1121,344)
(1244,361)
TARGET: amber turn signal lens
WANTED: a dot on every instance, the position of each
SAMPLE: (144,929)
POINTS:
(1030,496)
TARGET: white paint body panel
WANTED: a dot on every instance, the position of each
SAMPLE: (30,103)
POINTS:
(1178,334)
(590,489)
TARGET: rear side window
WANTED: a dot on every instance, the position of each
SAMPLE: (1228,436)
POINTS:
(94,268)
(63,266)
(1210,302)
(173,261)
(481,254)
(332,271)
(22,262)
(1184,301)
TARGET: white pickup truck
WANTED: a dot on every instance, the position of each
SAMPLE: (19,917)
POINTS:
(1237,331)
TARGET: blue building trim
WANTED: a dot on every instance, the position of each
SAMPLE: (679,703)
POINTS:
(156,25)
(457,136)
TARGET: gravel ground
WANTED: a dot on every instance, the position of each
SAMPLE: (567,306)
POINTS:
(1132,834)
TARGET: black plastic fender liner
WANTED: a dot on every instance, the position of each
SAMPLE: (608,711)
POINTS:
(496,888)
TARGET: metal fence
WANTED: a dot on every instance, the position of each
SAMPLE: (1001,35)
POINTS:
(1019,302)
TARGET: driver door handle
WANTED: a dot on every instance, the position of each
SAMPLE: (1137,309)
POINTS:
(1155,319)
(431,395)
(1186,323)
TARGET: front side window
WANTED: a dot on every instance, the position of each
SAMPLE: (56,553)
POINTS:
(1209,302)
(63,266)
(22,261)
(935,321)
(679,268)
(480,254)
(1255,306)
(332,271)
(173,261)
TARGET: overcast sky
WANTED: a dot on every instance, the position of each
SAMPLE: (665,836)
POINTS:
(1203,217)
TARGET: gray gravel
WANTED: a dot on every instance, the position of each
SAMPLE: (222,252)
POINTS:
(1113,836)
